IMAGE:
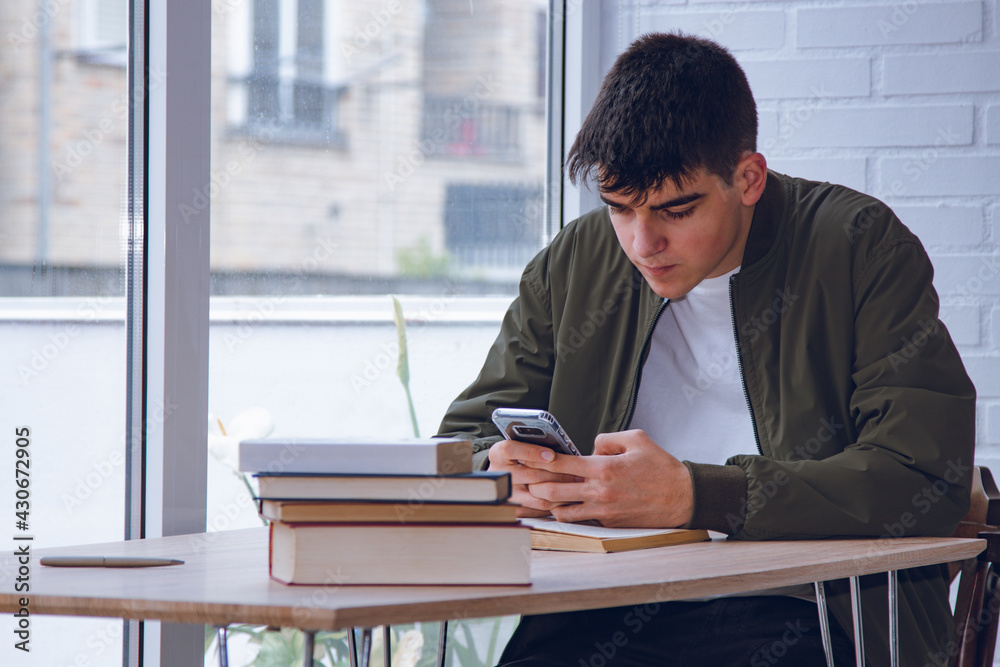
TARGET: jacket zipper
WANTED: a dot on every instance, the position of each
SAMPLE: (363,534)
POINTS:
(638,369)
(739,362)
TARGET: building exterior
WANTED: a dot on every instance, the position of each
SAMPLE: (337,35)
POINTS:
(349,139)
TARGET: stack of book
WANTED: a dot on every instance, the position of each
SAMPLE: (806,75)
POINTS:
(385,512)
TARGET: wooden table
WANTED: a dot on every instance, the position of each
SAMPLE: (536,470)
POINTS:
(224,580)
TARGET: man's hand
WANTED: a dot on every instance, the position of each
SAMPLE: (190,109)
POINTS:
(629,481)
(522,461)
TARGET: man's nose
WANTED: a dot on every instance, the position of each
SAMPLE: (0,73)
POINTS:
(648,239)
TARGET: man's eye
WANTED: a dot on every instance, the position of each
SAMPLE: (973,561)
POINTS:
(677,215)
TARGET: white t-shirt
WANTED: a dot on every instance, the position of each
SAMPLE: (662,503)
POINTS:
(691,400)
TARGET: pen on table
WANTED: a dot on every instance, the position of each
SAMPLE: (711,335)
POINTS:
(107,561)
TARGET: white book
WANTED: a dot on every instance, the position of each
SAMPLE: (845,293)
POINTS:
(365,456)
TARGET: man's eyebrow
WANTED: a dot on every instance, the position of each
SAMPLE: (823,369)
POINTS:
(678,201)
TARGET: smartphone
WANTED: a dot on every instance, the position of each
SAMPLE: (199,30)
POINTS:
(536,427)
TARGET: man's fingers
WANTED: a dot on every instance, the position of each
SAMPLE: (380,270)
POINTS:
(610,443)
(508,453)
(523,497)
(535,475)
(522,474)
(573,466)
(573,513)
(558,492)
(522,452)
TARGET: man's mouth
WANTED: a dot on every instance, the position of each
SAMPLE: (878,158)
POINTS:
(658,270)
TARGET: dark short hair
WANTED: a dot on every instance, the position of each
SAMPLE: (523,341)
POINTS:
(670,105)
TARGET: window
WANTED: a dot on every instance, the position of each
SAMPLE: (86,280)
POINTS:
(493,226)
(287,89)
(297,210)
(102,31)
(63,126)
(466,127)
(472,52)
(443,133)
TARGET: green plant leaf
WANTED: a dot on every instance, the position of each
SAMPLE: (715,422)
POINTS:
(494,635)
(210,635)
(403,367)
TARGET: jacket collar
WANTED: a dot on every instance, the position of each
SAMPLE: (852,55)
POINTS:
(766,221)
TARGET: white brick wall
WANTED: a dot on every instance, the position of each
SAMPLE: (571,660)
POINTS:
(993,124)
(929,174)
(912,74)
(809,78)
(993,422)
(944,225)
(738,28)
(995,334)
(985,372)
(849,171)
(846,24)
(897,125)
(967,275)
(964,323)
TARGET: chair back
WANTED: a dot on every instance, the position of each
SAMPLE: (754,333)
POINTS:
(976,616)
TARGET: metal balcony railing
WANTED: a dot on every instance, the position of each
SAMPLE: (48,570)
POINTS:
(469,127)
(300,111)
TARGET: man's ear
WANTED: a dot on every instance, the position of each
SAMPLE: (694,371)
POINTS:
(750,178)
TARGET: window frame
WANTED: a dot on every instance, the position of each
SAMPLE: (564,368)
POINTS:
(580,82)
(167,295)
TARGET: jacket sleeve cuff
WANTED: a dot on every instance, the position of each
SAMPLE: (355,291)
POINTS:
(720,495)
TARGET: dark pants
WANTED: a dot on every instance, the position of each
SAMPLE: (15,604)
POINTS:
(757,631)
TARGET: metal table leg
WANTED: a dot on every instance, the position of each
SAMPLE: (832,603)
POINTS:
(310,645)
(893,618)
(386,646)
(366,647)
(442,643)
(859,637)
(824,622)
(222,633)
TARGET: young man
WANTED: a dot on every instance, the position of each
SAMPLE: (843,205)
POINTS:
(739,351)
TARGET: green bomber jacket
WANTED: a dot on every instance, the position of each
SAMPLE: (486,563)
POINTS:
(863,413)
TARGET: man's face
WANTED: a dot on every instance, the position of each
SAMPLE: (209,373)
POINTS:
(677,237)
